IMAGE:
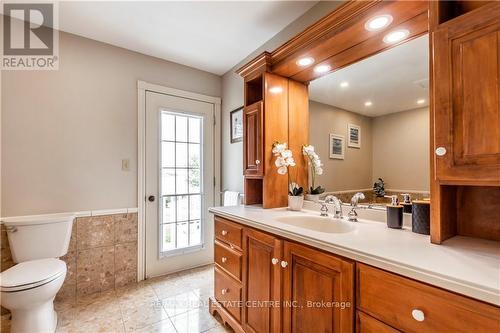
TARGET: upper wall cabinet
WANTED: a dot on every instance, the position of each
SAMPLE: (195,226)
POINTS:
(252,145)
(467,98)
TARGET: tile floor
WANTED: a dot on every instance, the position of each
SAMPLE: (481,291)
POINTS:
(176,303)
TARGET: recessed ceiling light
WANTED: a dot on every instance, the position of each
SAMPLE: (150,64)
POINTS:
(322,68)
(305,61)
(378,22)
(275,90)
(421,101)
(368,103)
(344,84)
(396,36)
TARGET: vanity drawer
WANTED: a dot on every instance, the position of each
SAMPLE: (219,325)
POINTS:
(228,292)
(228,259)
(412,306)
(368,324)
(228,232)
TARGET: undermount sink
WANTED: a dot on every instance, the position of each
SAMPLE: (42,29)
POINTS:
(318,223)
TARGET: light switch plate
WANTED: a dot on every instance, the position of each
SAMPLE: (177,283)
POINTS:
(125,164)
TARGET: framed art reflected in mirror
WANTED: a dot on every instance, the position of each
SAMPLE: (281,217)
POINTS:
(236,120)
(337,146)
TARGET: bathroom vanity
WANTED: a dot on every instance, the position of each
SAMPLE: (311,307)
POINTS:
(275,273)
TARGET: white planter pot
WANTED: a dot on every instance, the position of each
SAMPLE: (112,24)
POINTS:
(295,202)
(312,197)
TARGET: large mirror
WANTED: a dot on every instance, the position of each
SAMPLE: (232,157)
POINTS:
(369,123)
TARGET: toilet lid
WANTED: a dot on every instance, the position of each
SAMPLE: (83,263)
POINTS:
(30,274)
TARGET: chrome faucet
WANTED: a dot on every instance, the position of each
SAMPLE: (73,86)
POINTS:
(331,199)
(353,215)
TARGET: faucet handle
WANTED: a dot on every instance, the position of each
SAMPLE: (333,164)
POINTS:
(356,197)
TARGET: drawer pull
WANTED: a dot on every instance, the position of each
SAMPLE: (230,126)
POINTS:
(223,232)
(284,264)
(418,315)
(275,261)
(224,291)
(223,259)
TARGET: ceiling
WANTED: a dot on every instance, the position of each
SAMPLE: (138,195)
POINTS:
(392,81)
(208,35)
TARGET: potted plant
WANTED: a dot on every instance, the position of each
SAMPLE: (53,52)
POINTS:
(284,160)
(316,169)
(295,197)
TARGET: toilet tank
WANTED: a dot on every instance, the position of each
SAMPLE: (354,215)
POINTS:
(38,236)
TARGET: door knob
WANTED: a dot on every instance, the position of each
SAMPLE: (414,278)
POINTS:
(223,232)
(284,264)
(224,291)
(257,162)
(275,261)
(440,151)
(151,198)
(223,259)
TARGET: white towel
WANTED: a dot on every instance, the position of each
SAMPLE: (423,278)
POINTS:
(231,198)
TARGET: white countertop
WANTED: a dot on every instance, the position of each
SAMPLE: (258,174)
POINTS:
(464,265)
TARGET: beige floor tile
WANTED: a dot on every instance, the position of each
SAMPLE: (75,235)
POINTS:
(164,326)
(180,303)
(194,321)
(140,315)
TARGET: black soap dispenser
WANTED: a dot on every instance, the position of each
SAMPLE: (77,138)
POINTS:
(406,203)
(394,213)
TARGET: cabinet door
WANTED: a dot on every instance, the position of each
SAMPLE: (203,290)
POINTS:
(466,99)
(252,141)
(261,282)
(317,291)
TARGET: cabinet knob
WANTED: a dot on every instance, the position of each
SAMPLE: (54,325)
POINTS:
(284,264)
(257,162)
(223,232)
(418,315)
(275,261)
(224,291)
(440,151)
(223,259)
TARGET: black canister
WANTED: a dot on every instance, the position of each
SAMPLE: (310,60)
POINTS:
(420,217)
(394,213)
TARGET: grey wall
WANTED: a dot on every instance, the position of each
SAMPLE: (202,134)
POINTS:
(65,132)
(401,150)
(232,93)
(354,172)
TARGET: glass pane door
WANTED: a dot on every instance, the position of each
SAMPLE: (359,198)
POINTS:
(181,184)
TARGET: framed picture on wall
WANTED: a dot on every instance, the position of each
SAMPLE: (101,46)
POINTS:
(354,136)
(337,146)
(236,120)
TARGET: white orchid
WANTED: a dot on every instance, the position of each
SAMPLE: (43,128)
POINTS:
(316,167)
(284,157)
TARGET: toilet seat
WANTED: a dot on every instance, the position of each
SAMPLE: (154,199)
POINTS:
(31,274)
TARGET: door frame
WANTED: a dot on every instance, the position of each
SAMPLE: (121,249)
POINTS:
(142,88)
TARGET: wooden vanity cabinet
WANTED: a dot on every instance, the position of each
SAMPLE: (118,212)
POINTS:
(253,162)
(319,287)
(467,98)
(261,281)
(278,278)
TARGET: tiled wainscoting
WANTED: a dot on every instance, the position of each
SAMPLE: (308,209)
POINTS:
(102,254)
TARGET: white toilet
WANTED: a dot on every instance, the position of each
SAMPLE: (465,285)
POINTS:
(28,289)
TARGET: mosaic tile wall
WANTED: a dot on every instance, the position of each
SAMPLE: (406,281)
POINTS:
(102,254)
(370,197)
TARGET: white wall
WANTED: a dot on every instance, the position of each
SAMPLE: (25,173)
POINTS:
(354,172)
(232,93)
(401,150)
(65,132)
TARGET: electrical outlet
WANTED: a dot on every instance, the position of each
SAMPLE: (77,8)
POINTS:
(126,164)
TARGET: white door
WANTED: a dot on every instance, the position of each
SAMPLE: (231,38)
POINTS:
(179,183)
